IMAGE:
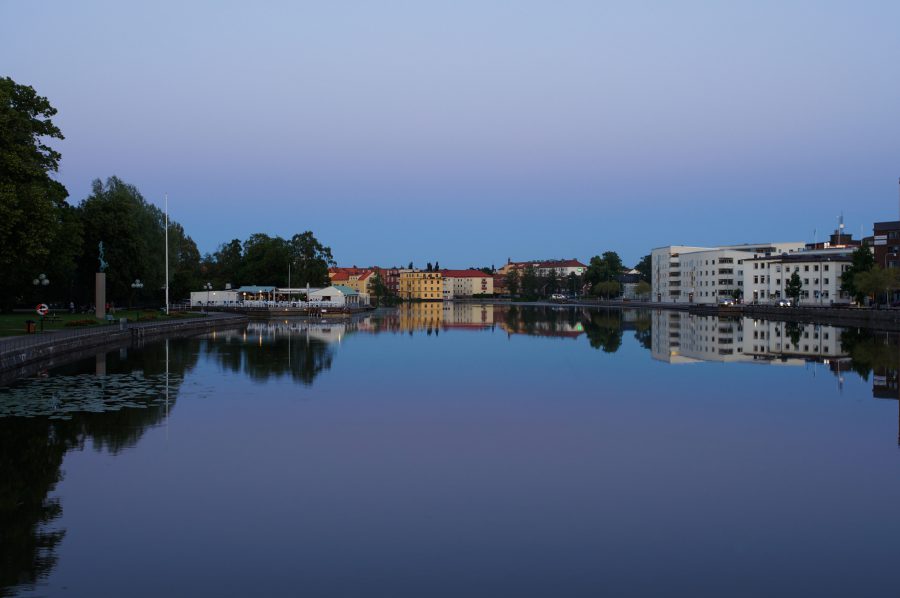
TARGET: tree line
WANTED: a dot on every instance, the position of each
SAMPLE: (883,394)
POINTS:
(42,233)
(599,279)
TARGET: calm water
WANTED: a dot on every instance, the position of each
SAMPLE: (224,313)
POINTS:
(461,451)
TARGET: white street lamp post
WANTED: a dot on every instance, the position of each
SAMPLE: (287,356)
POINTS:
(208,286)
(41,281)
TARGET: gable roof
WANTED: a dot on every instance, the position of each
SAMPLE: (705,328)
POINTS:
(469,273)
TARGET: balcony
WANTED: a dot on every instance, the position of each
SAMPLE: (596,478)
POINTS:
(726,270)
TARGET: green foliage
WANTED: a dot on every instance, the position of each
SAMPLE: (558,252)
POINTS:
(794,287)
(310,260)
(265,260)
(862,261)
(604,331)
(877,280)
(551,283)
(512,282)
(603,268)
(381,292)
(31,203)
(132,234)
(645,267)
(530,282)
(607,289)
(642,289)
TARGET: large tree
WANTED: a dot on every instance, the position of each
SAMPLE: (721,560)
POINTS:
(862,261)
(530,282)
(133,235)
(512,282)
(877,281)
(310,260)
(645,267)
(794,287)
(265,260)
(603,268)
(32,204)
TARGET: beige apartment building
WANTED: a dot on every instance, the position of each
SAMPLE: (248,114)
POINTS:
(466,283)
(420,285)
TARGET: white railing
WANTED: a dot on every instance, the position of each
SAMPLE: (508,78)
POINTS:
(294,304)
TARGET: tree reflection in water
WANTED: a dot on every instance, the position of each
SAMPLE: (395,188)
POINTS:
(32,450)
(277,349)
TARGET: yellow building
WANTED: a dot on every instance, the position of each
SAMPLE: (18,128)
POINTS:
(358,279)
(419,285)
(420,316)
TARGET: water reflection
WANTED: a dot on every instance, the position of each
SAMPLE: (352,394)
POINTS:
(681,337)
(44,418)
(109,402)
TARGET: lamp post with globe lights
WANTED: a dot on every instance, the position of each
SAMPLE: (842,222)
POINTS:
(135,286)
(41,281)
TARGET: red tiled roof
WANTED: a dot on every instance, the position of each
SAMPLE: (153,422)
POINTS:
(573,263)
(464,274)
(365,275)
(340,276)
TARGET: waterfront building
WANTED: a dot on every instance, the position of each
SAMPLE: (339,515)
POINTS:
(629,284)
(420,285)
(336,296)
(887,244)
(562,268)
(390,277)
(820,271)
(500,288)
(466,283)
(706,275)
(215,298)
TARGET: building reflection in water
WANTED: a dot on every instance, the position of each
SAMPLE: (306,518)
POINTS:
(681,337)
(126,392)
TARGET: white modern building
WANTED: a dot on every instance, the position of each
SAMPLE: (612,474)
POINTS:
(335,296)
(681,337)
(215,298)
(819,271)
(689,274)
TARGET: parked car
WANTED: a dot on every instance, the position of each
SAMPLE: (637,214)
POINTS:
(784,303)
(727,301)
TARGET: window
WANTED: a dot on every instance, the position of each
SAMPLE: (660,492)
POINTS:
(806,268)
(825,267)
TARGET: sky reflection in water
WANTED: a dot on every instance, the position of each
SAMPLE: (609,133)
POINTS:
(448,450)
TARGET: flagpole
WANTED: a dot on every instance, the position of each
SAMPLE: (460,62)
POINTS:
(167,254)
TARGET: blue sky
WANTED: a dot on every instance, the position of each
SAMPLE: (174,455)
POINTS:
(473,131)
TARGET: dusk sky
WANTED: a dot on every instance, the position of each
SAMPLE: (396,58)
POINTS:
(473,131)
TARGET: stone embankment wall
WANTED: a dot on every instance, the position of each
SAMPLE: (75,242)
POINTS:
(50,349)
